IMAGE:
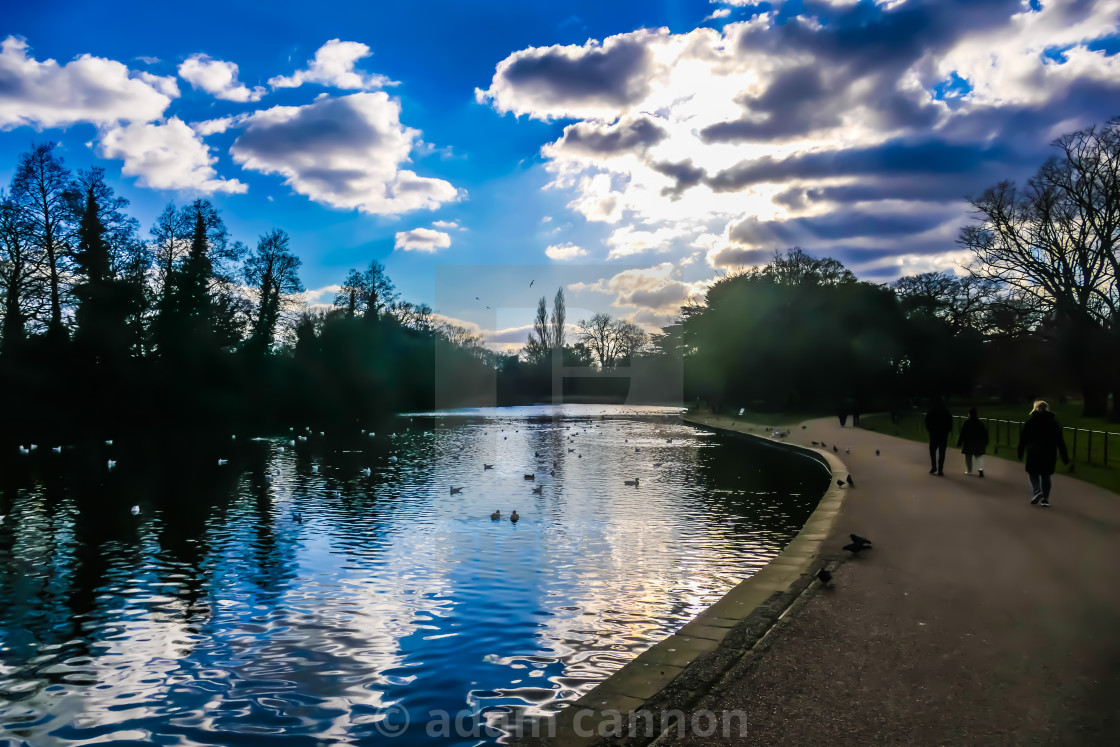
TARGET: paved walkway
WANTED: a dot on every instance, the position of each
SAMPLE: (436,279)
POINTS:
(976,619)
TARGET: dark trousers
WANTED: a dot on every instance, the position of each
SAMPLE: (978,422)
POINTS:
(937,446)
(1041,484)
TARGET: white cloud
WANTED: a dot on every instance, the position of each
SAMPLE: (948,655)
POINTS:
(657,290)
(165,156)
(565,251)
(345,152)
(720,13)
(87,89)
(448,224)
(333,66)
(218,78)
(422,240)
(321,298)
(215,126)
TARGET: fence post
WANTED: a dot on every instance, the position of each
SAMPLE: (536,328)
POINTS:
(1089,451)
(1106,435)
(1074,459)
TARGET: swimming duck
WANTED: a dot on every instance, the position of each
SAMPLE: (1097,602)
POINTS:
(366,472)
(456,490)
(538,489)
(633,482)
(531,477)
(514,517)
(496,515)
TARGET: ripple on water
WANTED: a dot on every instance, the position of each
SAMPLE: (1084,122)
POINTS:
(216,617)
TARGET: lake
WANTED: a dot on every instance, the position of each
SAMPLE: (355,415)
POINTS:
(287,597)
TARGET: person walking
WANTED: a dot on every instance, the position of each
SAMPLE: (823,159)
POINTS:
(973,442)
(939,421)
(1041,441)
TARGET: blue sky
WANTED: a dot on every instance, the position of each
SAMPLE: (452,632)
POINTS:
(629,151)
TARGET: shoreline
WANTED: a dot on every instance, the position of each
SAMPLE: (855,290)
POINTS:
(676,672)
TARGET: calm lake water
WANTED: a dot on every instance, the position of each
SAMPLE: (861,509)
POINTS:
(288,598)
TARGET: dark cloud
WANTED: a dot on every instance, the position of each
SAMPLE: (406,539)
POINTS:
(615,73)
(928,156)
(683,174)
(836,226)
(625,136)
(735,256)
(329,121)
(795,103)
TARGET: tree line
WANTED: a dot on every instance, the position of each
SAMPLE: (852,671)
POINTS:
(102,328)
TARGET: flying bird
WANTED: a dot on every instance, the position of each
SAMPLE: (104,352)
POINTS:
(824,577)
(531,282)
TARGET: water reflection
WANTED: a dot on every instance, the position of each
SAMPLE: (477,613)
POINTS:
(216,612)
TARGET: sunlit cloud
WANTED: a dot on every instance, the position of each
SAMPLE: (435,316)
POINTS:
(218,78)
(333,66)
(344,152)
(564,252)
(421,240)
(167,155)
(86,89)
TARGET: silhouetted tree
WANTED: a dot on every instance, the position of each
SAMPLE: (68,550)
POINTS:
(1057,241)
(22,280)
(39,189)
(274,271)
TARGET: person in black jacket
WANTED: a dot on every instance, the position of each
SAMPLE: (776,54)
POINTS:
(939,421)
(973,442)
(1041,440)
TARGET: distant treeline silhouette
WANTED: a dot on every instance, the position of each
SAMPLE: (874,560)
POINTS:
(103,330)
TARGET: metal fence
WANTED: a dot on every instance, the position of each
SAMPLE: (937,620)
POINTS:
(1098,448)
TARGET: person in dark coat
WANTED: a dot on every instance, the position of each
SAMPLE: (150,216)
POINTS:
(1041,441)
(939,421)
(973,442)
